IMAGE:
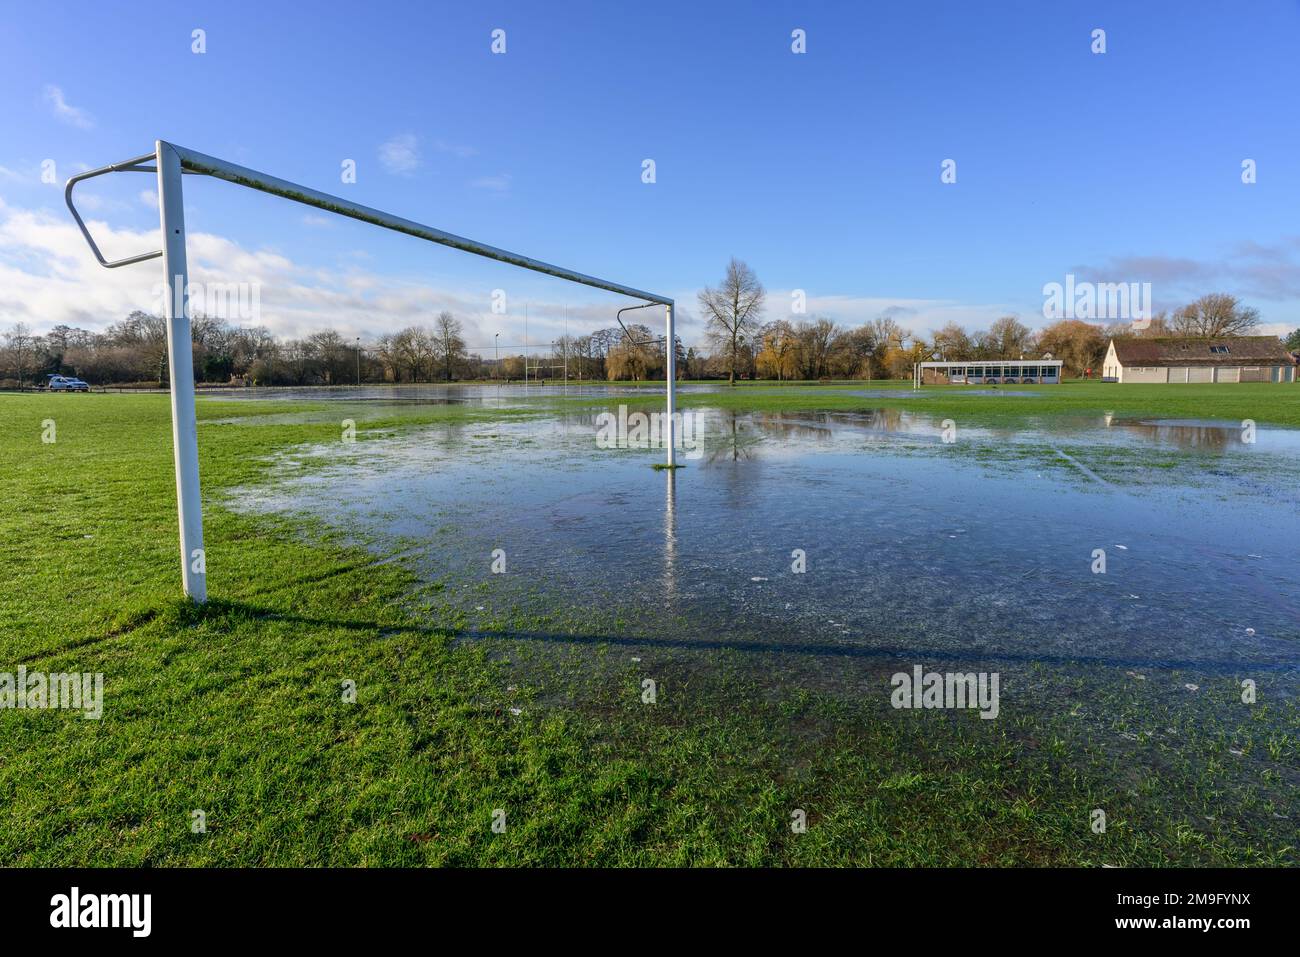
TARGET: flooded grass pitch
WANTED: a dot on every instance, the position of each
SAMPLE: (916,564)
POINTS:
(1132,581)
(667,664)
(980,549)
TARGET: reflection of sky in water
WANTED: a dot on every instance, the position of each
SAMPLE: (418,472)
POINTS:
(909,556)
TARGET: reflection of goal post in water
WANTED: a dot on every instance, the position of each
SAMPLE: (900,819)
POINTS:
(170,162)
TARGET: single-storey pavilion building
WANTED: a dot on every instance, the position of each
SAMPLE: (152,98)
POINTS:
(974,372)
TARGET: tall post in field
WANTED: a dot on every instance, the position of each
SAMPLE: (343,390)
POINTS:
(671,374)
(180,364)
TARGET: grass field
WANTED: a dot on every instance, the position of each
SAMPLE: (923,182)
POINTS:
(1275,404)
(236,709)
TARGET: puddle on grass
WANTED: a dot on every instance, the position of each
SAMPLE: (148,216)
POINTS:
(915,551)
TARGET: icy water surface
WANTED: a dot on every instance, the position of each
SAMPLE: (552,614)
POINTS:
(914,549)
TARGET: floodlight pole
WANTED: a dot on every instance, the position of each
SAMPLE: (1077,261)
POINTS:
(180,364)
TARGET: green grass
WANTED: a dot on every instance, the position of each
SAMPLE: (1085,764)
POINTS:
(1265,403)
(236,709)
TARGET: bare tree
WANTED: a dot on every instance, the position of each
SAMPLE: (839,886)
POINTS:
(415,350)
(388,354)
(584,353)
(1157,327)
(1080,345)
(331,353)
(888,337)
(732,311)
(953,343)
(852,353)
(59,338)
(1213,316)
(22,349)
(300,358)
(1012,337)
(450,343)
(816,340)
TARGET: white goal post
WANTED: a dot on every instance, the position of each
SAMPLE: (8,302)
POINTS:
(170,162)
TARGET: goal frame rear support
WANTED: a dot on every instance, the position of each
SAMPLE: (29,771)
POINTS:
(171,163)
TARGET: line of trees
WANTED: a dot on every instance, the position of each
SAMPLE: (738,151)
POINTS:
(739,344)
(742,345)
(134,351)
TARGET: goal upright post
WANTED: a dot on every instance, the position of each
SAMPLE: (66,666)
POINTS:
(180,366)
(670,374)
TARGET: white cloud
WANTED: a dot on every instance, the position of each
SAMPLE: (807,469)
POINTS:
(48,277)
(493,184)
(149,197)
(65,111)
(95,203)
(1268,271)
(455,149)
(920,316)
(400,155)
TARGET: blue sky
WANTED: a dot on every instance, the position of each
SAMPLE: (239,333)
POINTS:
(821,170)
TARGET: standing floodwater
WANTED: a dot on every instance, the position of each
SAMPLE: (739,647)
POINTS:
(909,548)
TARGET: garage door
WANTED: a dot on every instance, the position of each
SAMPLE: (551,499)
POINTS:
(1146,374)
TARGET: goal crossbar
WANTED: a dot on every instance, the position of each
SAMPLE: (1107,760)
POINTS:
(170,163)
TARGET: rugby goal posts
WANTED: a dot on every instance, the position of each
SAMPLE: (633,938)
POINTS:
(170,162)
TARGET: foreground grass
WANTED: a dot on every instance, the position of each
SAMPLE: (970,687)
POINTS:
(237,709)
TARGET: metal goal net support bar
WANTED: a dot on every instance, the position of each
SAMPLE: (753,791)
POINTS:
(170,163)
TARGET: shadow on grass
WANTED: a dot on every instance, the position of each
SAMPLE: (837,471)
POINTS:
(219,608)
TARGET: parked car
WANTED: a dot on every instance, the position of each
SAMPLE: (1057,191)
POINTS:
(63,383)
